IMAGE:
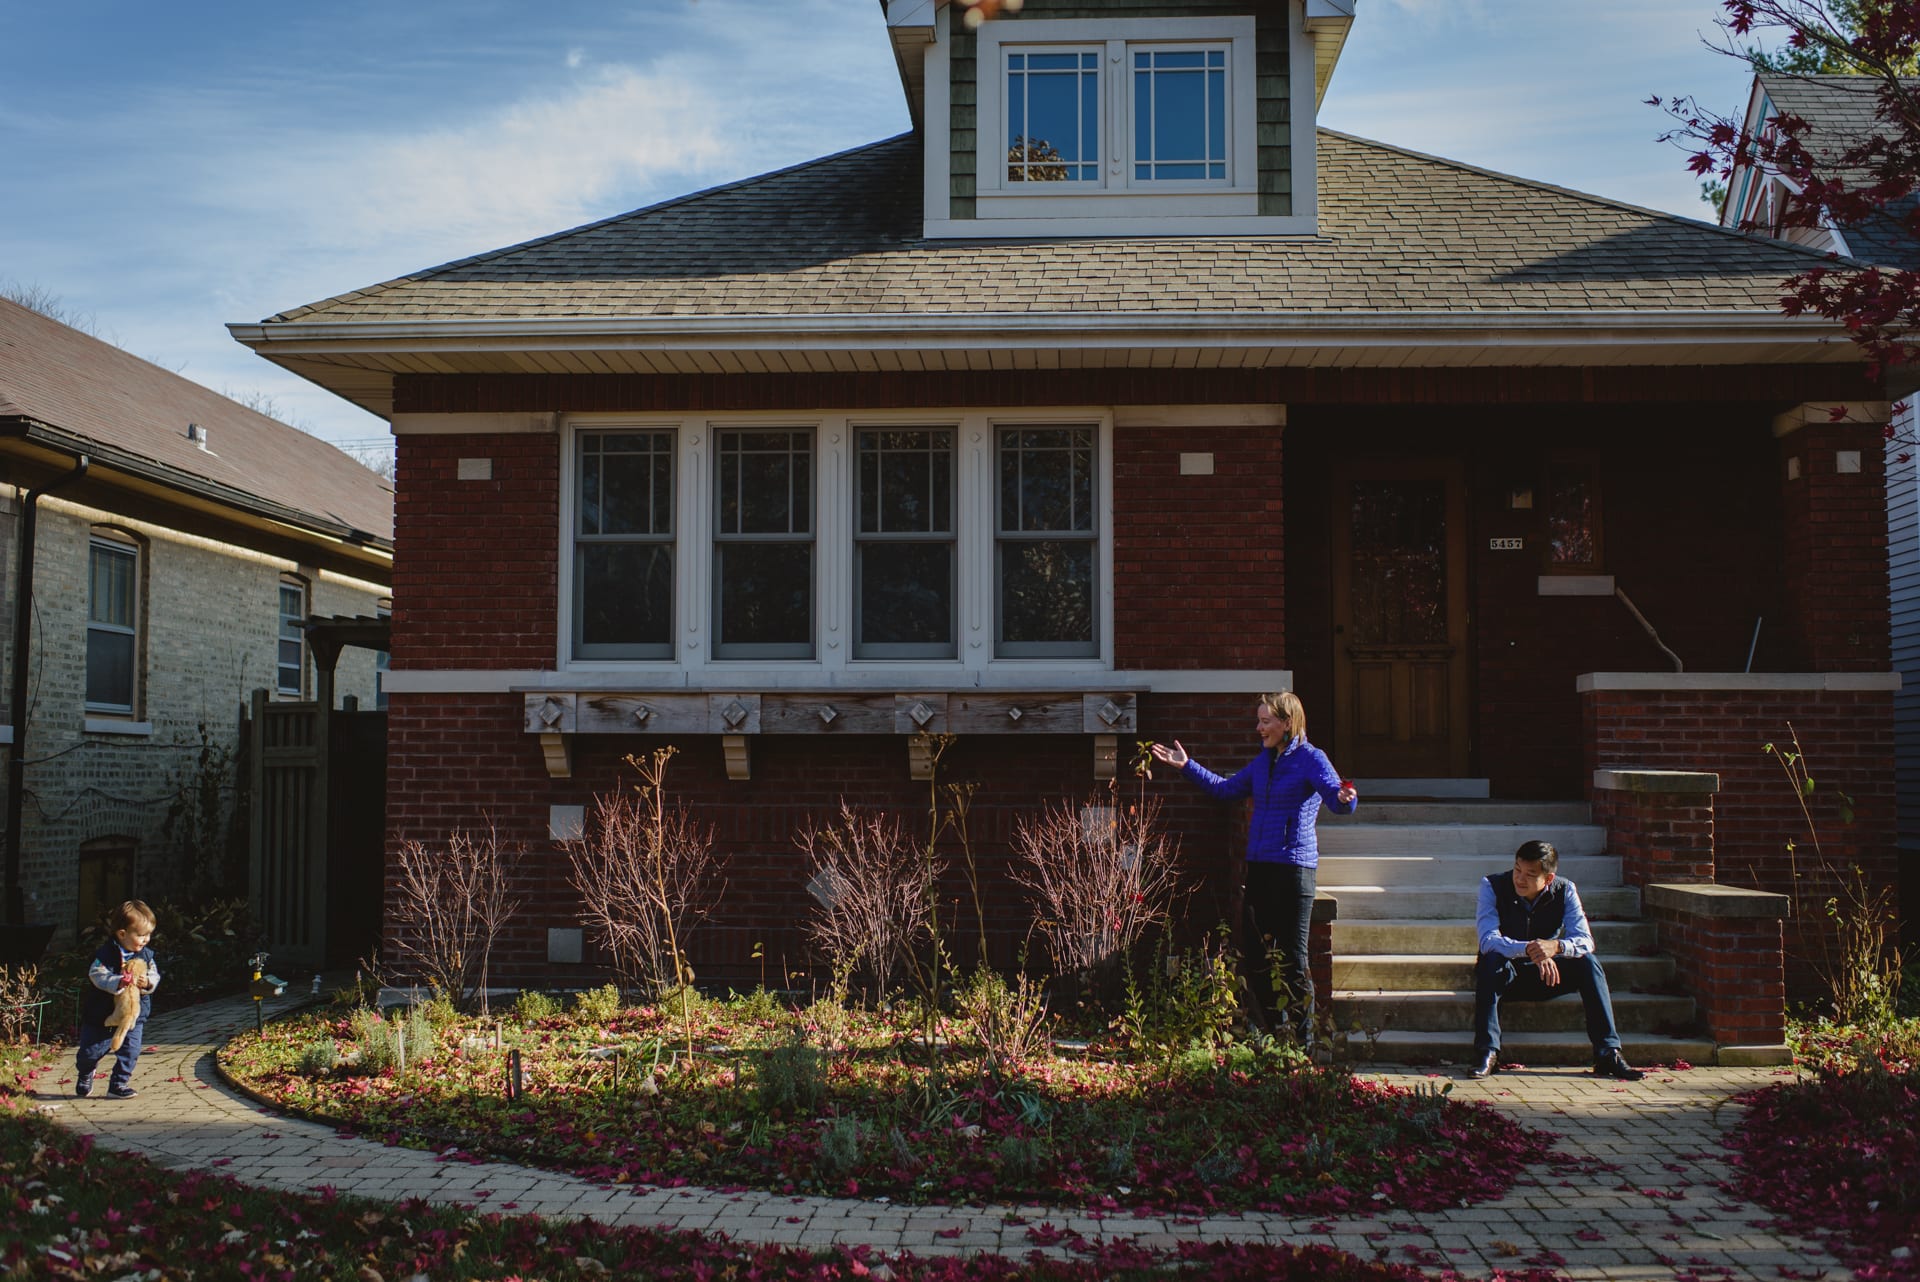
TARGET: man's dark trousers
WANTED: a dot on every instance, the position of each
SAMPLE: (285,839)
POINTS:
(1497,978)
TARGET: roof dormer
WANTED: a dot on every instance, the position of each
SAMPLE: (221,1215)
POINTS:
(1094,118)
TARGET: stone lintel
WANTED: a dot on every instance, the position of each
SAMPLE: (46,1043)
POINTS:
(1637,779)
(1325,907)
(1711,899)
(1747,682)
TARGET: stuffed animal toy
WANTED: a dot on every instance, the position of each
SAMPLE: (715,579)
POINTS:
(126,1002)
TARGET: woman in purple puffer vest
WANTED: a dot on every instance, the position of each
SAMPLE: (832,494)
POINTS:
(1288,781)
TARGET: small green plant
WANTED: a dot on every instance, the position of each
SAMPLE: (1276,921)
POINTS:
(1188,999)
(438,1011)
(792,1077)
(422,1038)
(756,1007)
(1020,1156)
(1008,1020)
(373,1038)
(598,1005)
(840,1146)
(319,1059)
(533,1006)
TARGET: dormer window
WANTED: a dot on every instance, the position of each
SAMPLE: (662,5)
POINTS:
(1121,126)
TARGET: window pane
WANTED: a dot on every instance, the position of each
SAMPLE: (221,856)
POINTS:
(110,669)
(635,479)
(1571,520)
(1046,591)
(626,594)
(1053,117)
(906,593)
(766,594)
(906,482)
(765,483)
(110,585)
(1180,107)
(1046,479)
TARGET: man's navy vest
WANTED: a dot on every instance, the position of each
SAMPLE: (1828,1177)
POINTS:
(1520,920)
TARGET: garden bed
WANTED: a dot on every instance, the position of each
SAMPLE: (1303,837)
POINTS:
(846,1103)
(72,1213)
(1837,1154)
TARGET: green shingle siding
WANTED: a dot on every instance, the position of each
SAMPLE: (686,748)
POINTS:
(1271,64)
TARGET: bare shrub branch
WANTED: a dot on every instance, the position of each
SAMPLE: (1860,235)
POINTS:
(875,891)
(453,903)
(647,875)
(1100,876)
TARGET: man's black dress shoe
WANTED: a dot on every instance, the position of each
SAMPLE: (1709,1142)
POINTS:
(1612,1064)
(1487,1065)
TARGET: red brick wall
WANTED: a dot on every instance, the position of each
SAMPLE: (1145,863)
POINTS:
(1836,548)
(1659,837)
(1732,967)
(1847,739)
(464,762)
(476,562)
(1199,561)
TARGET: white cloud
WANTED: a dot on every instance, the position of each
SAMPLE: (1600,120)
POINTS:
(575,57)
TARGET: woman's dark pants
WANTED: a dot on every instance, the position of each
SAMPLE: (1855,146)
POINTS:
(1279,907)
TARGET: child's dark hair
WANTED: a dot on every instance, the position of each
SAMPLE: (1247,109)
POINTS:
(132,915)
(1539,852)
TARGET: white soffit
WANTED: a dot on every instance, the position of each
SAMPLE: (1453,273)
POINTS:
(1328,22)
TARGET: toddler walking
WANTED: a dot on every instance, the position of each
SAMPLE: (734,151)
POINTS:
(112,972)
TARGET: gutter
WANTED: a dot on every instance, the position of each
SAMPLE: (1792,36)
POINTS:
(1004,330)
(139,467)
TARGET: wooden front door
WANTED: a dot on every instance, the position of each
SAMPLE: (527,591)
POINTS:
(1400,618)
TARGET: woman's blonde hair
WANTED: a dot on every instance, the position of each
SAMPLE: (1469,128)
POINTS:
(1286,704)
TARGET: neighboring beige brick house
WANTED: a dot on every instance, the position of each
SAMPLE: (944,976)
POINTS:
(167,584)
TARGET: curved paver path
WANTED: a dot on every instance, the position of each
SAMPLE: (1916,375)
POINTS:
(1637,1173)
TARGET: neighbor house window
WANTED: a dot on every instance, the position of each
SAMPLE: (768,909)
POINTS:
(291,661)
(1180,114)
(1047,542)
(904,557)
(113,632)
(1053,115)
(382,659)
(624,546)
(763,545)
(1573,515)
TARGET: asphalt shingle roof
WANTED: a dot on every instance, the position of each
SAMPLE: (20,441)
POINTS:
(92,391)
(1841,111)
(1399,232)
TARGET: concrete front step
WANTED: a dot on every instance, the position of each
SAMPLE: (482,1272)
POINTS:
(1450,1011)
(1532,1049)
(1453,870)
(1467,788)
(1404,972)
(1374,901)
(1394,811)
(1493,841)
(1626,938)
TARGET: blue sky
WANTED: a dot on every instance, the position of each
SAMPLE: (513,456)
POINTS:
(173,168)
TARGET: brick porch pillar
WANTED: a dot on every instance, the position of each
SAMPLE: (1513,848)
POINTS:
(1833,490)
(1728,946)
(1660,822)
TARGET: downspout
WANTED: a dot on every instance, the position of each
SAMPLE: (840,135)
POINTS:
(16,914)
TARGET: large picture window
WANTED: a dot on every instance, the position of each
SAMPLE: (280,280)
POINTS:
(1047,542)
(904,558)
(763,545)
(113,635)
(624,546)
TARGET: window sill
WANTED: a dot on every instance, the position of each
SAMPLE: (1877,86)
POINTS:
(114,725)
(1576,585)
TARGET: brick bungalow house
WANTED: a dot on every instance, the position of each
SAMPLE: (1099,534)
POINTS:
(170,580)
(1110,395)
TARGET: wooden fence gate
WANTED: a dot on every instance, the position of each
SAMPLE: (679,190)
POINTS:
(316,825)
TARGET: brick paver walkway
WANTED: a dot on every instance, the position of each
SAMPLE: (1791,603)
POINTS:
(1633,1195)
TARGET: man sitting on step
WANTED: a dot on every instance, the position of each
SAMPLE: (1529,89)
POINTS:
(1535,944)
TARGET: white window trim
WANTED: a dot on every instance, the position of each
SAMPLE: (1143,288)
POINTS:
(1126,211)
(127,546)
(305,590)
(693,665)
